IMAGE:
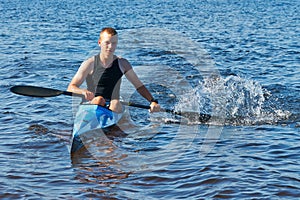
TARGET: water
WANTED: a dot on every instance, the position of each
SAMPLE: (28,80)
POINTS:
(235,60)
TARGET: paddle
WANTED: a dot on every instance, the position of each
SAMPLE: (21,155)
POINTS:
(35,91)
(191,115)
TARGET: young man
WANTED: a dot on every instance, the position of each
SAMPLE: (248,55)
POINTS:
(103,74)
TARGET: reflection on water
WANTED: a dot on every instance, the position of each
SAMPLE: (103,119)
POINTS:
(98,163)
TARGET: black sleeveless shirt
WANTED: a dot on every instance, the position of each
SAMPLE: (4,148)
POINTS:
(105,82)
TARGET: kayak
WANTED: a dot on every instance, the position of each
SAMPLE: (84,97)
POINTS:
(91,118)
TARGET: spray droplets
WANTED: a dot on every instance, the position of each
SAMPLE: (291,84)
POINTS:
(246,101)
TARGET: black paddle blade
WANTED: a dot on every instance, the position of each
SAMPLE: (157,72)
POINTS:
(34,91)
(193,116)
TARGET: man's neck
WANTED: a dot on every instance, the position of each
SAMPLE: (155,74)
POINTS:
(106,59)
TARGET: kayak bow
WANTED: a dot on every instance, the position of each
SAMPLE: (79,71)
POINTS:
(89,118)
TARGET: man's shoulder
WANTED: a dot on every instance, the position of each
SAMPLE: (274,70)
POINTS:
(125,65)
(89,61)
(88,65)
(123,60)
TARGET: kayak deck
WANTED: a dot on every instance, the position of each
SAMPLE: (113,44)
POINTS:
(89,118)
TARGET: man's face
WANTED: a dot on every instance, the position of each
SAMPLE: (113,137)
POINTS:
(108,43)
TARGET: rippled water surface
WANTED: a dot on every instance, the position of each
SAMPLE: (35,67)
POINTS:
(237,61)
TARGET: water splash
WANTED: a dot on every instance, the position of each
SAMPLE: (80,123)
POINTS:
(247,102)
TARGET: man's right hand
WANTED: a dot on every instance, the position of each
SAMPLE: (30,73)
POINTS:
(87,94)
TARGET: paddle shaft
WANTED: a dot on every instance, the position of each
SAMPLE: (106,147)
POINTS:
(202,117)
(35,91)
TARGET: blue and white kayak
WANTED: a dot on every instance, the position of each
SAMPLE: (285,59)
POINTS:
(90,118)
